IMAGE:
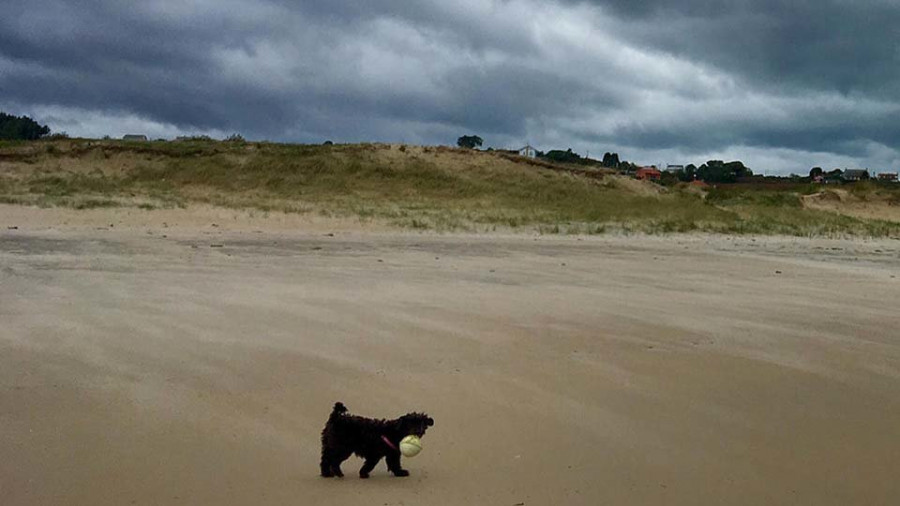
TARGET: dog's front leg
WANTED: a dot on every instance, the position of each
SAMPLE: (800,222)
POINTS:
(393,463)
(368,466)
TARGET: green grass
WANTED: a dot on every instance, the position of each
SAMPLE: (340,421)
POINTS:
(417,188)
(6,143)
(732,196)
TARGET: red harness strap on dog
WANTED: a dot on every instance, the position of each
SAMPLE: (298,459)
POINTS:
(388,442)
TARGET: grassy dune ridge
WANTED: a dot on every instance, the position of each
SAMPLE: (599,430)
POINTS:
(433,188)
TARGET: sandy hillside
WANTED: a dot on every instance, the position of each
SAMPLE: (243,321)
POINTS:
(871,207)
(170,361)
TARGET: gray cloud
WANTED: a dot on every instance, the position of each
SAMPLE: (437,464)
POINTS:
(682,79)
(838,45)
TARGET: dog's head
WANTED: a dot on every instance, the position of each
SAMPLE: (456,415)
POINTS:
(415,423)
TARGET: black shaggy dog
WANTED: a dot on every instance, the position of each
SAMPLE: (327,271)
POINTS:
(368,438)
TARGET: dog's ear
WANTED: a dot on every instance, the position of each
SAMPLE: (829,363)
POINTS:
(430,421)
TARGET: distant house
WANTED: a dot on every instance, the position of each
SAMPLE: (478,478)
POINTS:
(528,152)
(648,174)
(134,137)
(856,175)
(890,177)
(674,168)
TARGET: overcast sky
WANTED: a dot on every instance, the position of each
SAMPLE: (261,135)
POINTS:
(781,85)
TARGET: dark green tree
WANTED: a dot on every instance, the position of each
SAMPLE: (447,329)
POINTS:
(610,160)
(560,156)
(21,128)
(815,172)
(717,171)
(835,176)
(738,169)
(469,141)
(670,178)
(689,173)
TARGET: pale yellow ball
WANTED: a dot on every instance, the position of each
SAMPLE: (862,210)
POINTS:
(410,446)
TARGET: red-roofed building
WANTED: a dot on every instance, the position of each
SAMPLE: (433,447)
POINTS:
(648,174)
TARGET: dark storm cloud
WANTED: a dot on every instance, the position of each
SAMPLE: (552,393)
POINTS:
(111,55)
(840,45)
(467,28)
(108,56)
(689,77)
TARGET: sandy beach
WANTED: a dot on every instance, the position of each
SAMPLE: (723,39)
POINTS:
(193,358)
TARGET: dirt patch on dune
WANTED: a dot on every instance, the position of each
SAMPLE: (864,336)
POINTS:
(636,187)
(869,206)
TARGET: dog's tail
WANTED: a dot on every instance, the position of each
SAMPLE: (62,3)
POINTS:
(338,410)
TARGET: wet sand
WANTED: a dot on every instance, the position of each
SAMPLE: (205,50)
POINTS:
(143,364)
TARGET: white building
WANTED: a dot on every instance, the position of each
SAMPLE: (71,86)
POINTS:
(528,152)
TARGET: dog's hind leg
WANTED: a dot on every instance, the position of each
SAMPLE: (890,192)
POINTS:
(331,464)
(325,463)
(336,462)
(370,464)
(326,468)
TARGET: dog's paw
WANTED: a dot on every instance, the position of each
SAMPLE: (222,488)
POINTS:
(364,475)
(402,473)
